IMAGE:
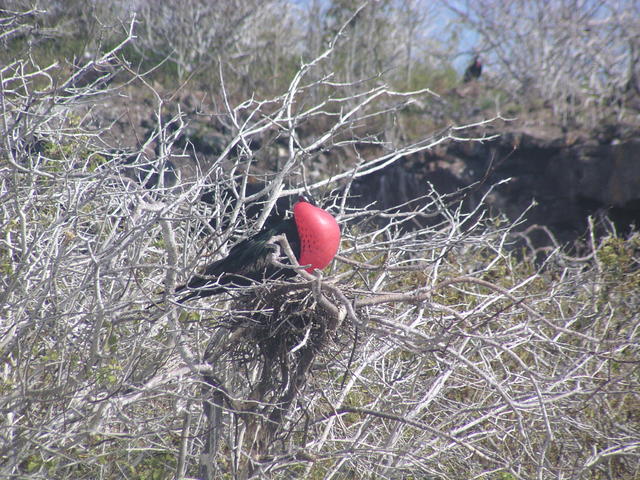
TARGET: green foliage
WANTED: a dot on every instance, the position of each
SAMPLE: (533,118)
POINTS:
(6,265)
(436,79)
(155,466)
(109,374)
(620,274)
(163,72)
(96,161)
(189,316)
(505,476)
(618,256)
(36,464)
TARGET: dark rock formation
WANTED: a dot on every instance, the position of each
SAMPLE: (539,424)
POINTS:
(568,178)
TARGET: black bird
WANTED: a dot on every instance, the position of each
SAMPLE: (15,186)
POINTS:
(312,233)
(473,71)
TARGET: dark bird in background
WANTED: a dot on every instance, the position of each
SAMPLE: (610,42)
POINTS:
(312,233)
(473,71)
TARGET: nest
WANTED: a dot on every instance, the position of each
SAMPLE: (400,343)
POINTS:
(273,329)
(260,364)
(271,339)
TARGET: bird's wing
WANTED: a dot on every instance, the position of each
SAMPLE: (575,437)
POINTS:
(248,261)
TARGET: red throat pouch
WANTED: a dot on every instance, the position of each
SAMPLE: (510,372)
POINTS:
(319,235)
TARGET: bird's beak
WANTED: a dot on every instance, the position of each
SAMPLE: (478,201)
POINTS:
(306,197)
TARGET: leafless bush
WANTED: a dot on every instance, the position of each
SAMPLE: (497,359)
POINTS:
(201,33)
(578,57)
(424,351)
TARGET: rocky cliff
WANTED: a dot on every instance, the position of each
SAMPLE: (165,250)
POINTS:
(568,177)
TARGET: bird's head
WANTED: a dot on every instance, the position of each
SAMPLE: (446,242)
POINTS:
(308,198)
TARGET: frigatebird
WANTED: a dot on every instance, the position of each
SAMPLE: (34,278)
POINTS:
(473,71)
(312,233)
